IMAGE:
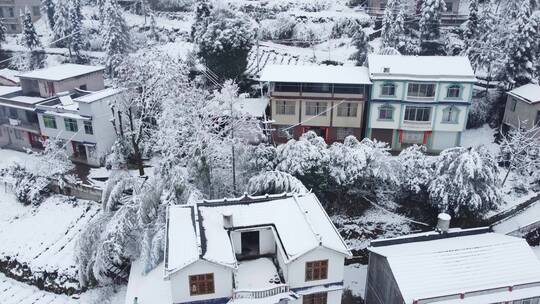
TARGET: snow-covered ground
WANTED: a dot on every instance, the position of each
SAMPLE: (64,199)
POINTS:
(9,157)
(43,237)
(481,136)
(14,292)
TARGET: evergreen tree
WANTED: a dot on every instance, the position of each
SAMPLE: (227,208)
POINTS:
(47,8)
(203,9)
(360,41)
(225,43)
(522,47)
(386,28)
(29,38)
(62,25)
(115,34)
(3,31)
(471,30)
(398,27)
(430,24)
(76,40)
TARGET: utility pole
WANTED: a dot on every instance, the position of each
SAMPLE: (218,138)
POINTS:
(233,152)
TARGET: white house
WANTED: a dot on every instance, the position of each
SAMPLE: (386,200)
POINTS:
(419,100)
(523,108)
(266,249)
(471,266)
(82,118)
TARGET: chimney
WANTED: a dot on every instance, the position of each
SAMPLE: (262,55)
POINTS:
(443,222)
(227,220)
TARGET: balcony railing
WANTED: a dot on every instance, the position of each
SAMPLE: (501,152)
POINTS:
(261,293)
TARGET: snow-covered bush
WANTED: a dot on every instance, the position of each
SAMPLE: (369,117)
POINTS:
(416,170)
(29,188)
(478,113)
(171,5)
(315,5)
(348,26)
(274,182)
(278,29)
(520,152)
(260,158)
(466,183)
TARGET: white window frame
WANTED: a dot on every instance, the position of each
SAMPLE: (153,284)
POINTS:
(347,109)
(316,108)
(453,87)
(450,115)
(417,109)
(420,86)
(285,107)
(386,108)
(388,85)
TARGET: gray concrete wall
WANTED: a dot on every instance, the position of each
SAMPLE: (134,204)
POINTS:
(524,114)
(381,287)
(10,11)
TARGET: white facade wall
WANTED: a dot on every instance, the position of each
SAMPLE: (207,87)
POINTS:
(104,134)
(296,270)
(334,297)
(223,282)
(286,119)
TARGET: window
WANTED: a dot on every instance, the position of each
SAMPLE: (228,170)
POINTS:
(421,90)
(287,87)
(201,284)
(284,107)
(450,115)
(71,124)
(412,137)
(449,7)
(317,270)
(537,119)
(49,121)
(316,108)
(421,114)
(1,12)
(88,129)
(315,298)
(11,12)
(388,89)
(347,109)
(348,89)
(513,104)
(317,87)
(386,112)
(342,133)
(83,87)
(13,113)
(35,11)
(18,134)
(453,91)
(13,27)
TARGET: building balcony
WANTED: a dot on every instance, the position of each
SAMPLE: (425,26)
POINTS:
(259,279)
(19,124)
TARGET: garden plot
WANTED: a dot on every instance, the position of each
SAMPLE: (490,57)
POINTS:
(43,237)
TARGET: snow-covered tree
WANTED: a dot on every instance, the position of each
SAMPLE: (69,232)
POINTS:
(466,183)
(48,10)
(416,170)
(471,30)
(203,9)
(362,46)
(520,151)
(522,49)
(29,38)
(387,38)
(115,34)
(260,158)
(149,78)
(62,23)
(275,182)
(398,27)
(430,19)
(3,31)
(225,42)
(54,161)
(76,40)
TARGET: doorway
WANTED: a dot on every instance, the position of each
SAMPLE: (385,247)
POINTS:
(79,151)
(250,243)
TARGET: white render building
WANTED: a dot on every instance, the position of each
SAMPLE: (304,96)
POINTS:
(419,100)
(266,249)
(84,119)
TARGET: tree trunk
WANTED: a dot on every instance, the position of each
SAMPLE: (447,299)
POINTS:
(136,148)
(506,176)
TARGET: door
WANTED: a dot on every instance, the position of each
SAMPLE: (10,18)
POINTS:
(250,243)
(79,151)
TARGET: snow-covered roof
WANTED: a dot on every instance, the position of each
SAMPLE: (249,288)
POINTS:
(469,261)
(316,74)
(148,288)
(299,222)
(529,92)
(10,75)
(5,90)
(435,68)
(98,95)
(61,72)
(254,107)
(182,242)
